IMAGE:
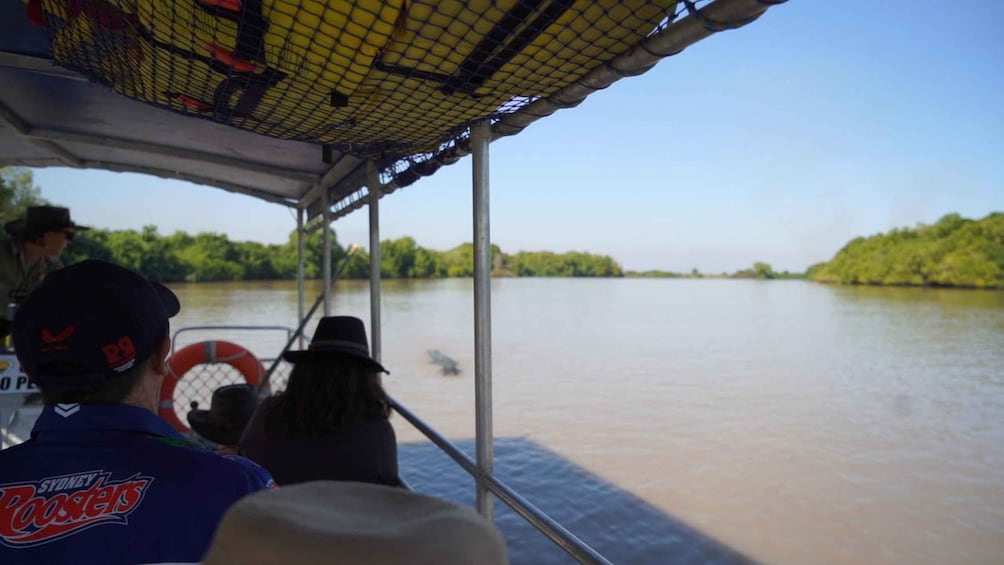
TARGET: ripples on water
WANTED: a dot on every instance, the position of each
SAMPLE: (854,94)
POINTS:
(795,422)
(622,527)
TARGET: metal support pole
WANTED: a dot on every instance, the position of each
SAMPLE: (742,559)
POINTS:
(300,274)
(326,262)
(480,133)
(373,184)
(6,419)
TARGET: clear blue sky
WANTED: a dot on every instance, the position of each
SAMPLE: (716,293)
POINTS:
(778,142)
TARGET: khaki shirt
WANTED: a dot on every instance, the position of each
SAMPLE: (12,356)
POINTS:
(17,281)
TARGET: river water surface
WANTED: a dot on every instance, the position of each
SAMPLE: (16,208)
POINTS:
(790,421)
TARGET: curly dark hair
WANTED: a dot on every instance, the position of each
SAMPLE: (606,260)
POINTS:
(327,394)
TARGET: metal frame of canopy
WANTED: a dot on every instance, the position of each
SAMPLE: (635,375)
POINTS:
(44,121)
(100,129)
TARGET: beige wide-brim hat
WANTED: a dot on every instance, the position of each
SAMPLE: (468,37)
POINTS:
(353,524)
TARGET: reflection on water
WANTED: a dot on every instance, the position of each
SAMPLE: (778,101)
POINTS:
(796,422)
(622,527)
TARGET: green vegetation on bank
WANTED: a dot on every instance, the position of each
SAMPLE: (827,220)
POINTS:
(17,193)
(759,270)
(213,257)
(955,252)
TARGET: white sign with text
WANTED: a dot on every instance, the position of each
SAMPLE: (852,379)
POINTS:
(12,380)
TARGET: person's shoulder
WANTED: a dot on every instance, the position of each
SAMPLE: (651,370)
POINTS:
(221,466)
(376,425)
(13,452)
(377,422)
(255,476)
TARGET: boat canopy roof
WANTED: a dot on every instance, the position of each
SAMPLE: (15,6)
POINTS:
(286,100)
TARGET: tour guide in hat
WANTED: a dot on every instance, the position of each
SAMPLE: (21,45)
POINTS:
(103,479)
(30,252)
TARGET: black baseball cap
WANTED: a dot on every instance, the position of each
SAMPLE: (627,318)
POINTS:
(89,323)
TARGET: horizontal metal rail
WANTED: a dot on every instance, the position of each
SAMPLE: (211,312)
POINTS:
(174,339)
(554,531)
(546,525)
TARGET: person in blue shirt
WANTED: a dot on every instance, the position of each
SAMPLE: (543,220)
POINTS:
(103,479)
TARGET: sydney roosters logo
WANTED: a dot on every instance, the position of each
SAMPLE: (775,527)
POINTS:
(37,512)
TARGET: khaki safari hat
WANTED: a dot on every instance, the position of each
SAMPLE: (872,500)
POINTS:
(353,524)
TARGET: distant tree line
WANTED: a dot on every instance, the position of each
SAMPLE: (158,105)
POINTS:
(213,257)
(759,270)
(955,252)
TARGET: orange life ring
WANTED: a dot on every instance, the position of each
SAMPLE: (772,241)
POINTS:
(199,354)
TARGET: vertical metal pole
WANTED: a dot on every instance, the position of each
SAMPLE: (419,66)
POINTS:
(480,133)
(373,184)
(6,418)
(326,262)
(300,274)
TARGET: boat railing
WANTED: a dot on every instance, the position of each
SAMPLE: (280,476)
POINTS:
(187,329)
(200,382)
(546,525)
(543,523)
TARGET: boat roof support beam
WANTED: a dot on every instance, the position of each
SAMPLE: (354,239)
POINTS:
(326,262)
(37,64)
(24,130)
(373,184)
(341,169)
(197,179)
(301,274)
(485,449)
(158,150)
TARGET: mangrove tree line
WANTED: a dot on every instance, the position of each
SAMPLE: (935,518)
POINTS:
(213,257)
(955,251)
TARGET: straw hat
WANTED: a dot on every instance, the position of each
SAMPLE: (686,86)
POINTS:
(353,524)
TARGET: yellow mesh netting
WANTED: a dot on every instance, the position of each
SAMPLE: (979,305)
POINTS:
(390,78)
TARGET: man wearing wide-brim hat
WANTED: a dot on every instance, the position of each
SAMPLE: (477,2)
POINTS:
(30,252)
(351,523)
